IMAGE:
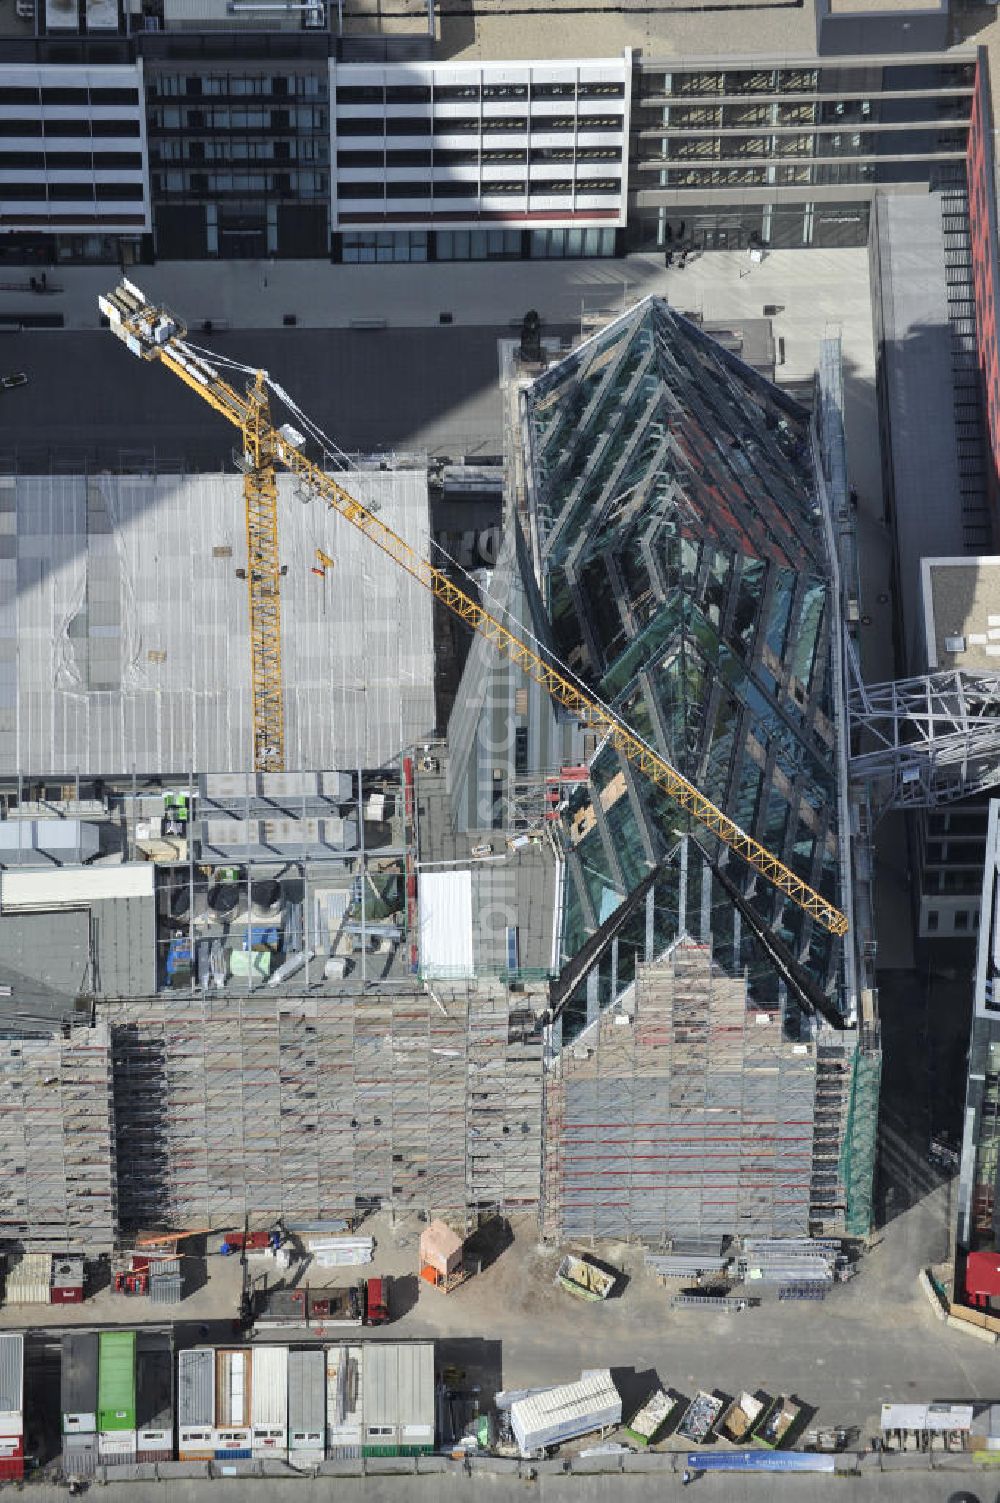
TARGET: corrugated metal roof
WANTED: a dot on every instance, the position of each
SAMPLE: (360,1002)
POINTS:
(11,1374)
(398,1379)
(568,1410)
(154,1381)
(196,1387)
(306,1390)
(270,1385)
(79,1373)
(154,674)
(445,911)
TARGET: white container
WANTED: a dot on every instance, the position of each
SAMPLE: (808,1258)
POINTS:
(343,1400)
(29,1281)
(117,1448)
(11,1384)
(563,1413)
(270,1401)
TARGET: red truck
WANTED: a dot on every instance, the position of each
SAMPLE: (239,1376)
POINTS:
(376,1301)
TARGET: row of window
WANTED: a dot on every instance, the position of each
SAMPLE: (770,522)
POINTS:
(98,128)
(473,245)
(778,175)
(84,161)
(223,85)
(544,188)
(303,150)
(198,184)
(75,191)
(421,93)
(417,125)
(68,96)
(457,157)
(305,117)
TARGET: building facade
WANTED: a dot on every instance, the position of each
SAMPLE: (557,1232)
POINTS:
(668,548)
(247,133)
(978,1208)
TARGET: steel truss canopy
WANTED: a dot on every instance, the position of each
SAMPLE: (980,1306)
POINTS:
(925,741)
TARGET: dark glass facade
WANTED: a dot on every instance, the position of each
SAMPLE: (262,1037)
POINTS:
(240,160)
(686,581)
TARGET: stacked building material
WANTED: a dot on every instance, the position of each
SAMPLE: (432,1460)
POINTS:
(79,1403)
(196,1404)
(116,1421)
(11,1407)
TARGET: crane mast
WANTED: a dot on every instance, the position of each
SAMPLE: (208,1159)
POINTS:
(153,334)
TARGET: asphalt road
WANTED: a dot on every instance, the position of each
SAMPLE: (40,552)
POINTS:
(900,1487)
(404,389)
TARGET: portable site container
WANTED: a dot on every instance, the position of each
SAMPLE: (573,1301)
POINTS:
(397,1398)
(343,1400)
(11,1408)
(29,1279)
(67,1282)
(116,1382)
(11,1385)
(564,1413)
(269,1410)
(233,1435)
(11,1458)
(79,1383)
(117,1448)
(306,1407)
(196,1404)
(79,1455)
(154,1399)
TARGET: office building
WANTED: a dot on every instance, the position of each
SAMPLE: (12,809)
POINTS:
(669,548)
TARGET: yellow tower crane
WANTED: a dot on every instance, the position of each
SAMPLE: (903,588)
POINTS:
(152,333)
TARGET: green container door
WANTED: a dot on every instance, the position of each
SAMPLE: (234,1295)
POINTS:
(116,1382)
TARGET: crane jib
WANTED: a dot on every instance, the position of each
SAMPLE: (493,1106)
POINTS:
(153,333)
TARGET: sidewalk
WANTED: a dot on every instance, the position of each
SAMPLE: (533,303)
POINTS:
(813,289)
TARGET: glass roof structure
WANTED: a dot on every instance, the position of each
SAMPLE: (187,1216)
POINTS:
(677,539)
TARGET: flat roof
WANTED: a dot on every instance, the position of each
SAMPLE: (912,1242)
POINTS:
(132,626)
(961,600)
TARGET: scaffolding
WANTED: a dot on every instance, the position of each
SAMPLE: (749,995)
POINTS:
(857,1164)
(58,1190)
(684,1113)
(325,1107)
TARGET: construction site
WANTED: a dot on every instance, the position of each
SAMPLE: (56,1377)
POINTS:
(312,908)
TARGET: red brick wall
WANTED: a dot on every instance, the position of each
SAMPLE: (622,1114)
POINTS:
(983,226)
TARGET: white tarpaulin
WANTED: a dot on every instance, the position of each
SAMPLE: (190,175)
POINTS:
(926,1416)
(74,886)
(445,900)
